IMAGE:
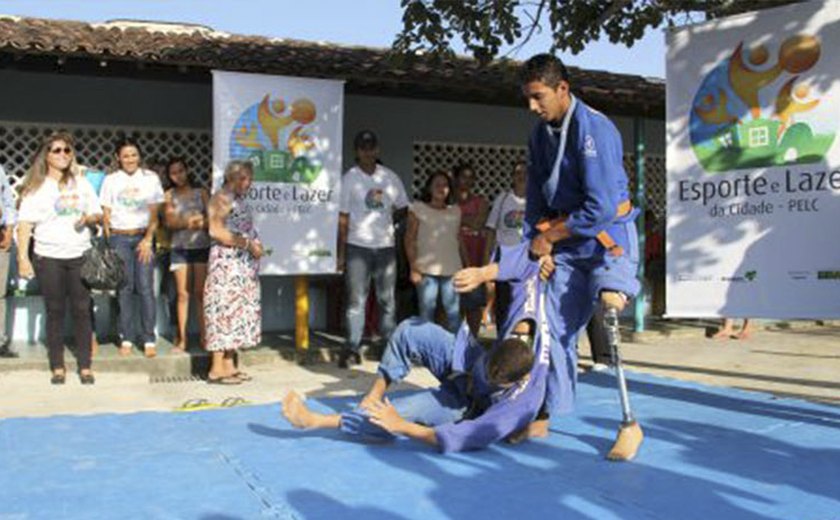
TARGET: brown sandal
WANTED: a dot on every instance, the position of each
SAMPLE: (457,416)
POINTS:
(226,380)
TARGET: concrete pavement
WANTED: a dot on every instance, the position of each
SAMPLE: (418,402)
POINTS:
(797,362)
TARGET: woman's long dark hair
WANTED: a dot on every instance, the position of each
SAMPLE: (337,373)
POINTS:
(191,182)
(426,194)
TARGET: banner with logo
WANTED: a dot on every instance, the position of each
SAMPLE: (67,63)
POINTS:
(290,130)
(753,104)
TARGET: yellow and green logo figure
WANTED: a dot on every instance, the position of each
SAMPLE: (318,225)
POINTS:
(750,113)
(274,137)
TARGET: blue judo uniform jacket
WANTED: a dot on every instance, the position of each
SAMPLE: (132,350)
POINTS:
(497,414)
(576,172)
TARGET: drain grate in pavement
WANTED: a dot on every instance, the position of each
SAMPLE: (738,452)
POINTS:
(153,380)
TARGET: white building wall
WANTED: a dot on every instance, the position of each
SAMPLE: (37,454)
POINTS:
(70,99)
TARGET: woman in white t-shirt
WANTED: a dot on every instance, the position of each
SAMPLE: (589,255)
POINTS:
(57,206)
(505,224)
(433,249)
(131,198)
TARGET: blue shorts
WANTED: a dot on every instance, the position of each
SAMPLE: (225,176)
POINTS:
(179,258)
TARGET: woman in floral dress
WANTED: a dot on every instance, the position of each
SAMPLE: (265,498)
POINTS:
(232,289)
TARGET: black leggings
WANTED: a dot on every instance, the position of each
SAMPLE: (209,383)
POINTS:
(61,280)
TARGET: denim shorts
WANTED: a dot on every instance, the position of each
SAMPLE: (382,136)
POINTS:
(181,257)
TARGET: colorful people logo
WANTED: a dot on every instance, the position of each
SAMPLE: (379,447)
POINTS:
(131,198)
(513,219)
(748,113)
(68,203)
(275,139)
(375,199)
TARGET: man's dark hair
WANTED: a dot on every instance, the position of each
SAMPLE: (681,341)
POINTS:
(546,68)
(509,362)
(461,168)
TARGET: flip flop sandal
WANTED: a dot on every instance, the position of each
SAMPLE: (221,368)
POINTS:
(194,405)
(242,376)
(230,402)
(228,380)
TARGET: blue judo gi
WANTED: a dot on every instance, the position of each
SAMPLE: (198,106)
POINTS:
(575,171)
(466,412)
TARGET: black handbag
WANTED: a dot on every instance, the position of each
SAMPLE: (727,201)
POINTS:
(102,268)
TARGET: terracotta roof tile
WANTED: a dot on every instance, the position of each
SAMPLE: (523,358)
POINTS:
(366,70)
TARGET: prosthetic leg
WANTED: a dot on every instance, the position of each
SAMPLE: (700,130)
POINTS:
(630,434)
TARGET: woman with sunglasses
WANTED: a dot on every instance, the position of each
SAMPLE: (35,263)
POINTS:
(57,206)
(131,198)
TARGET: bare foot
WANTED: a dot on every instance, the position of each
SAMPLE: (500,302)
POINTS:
(368,401)
(375,394)
(723,334)
(536,429)
(744,334)
(295,411)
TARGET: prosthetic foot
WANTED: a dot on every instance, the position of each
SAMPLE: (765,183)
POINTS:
(630,434)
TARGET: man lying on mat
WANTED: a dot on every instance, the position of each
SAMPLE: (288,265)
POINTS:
(484,395)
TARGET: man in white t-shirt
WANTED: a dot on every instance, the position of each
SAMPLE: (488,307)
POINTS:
(370,194)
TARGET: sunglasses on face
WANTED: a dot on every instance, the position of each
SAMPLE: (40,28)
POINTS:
(65,150)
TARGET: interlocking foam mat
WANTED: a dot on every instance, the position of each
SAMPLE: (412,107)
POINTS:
(710,453)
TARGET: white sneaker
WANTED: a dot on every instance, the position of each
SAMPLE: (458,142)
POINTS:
(125,348)
(599,367)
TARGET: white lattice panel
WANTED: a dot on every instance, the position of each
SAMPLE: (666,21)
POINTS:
(493,165)
(95,146)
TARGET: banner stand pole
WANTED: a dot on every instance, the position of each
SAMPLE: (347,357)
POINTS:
(301,317)
(641,203)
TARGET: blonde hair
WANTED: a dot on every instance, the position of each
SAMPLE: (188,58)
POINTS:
(235,170)
(37,172)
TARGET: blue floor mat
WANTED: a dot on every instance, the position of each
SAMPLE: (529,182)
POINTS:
(710,453)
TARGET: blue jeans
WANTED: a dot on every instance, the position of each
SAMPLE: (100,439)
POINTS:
(364,264)
(416,341)
(427,294)
(140,279)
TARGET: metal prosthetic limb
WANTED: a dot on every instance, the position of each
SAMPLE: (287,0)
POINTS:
(630,434)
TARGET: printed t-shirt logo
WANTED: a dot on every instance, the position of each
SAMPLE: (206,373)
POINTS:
(68,203)
(513,219)
(375,199)
(131,197)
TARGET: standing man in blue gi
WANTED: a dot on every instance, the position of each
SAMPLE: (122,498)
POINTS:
(578,214)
